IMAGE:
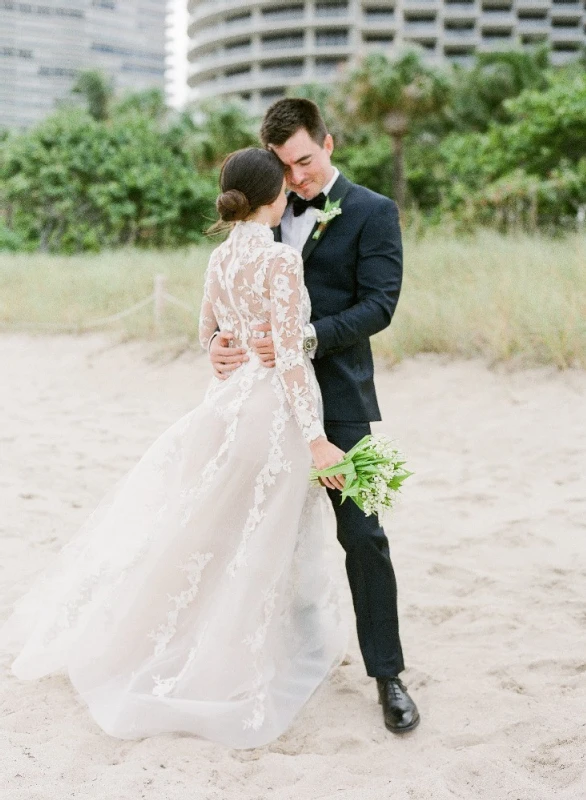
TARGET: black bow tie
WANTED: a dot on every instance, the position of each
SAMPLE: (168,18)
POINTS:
(300,205)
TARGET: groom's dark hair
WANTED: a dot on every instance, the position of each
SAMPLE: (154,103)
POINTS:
(287,116)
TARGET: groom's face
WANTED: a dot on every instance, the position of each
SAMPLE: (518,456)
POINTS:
(307,165)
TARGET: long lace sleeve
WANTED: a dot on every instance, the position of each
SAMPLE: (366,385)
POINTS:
(287,321)
(207,319)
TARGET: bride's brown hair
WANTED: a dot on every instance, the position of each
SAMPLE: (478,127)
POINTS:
(249,179)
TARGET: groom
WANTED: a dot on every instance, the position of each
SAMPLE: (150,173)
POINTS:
(353,270)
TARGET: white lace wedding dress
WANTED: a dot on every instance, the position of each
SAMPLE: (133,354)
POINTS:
(196,597)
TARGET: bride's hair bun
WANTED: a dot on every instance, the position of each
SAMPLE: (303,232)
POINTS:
(233,205)
(249,179)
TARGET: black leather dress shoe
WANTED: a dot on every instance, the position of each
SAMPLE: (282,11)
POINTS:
(399,710)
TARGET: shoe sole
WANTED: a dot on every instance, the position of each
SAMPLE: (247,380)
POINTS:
(406,729)
(401,730)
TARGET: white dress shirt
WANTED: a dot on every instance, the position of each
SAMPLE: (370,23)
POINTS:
(295,230)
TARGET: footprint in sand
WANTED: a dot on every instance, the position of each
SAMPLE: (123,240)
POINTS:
(559,763)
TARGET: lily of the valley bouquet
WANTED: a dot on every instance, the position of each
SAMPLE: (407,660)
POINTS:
(373,471)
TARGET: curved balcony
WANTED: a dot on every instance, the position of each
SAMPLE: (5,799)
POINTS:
(461,36)
(569,34)
(223,31)
(254,82)
(262,41)
(456,11)
(208,9)
(216,19)
(216,63)
(312,41)
(390,26)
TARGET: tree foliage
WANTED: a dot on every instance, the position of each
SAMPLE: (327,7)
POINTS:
(74,183)
(502,143)
(530,170)
(219,129)
(499,143)
(393,95)
(479,94)
(97,91)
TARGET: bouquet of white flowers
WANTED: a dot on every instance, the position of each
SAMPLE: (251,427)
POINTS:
(373,472)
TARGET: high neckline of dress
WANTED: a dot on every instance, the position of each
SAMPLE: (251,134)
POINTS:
(258,228)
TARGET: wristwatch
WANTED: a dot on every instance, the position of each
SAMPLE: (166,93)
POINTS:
(309,340)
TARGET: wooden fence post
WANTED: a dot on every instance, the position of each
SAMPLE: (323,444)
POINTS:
(160,290)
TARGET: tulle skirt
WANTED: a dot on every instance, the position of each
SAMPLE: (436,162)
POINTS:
(196,598)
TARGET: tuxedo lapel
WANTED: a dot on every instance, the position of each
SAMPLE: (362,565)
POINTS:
(338,192)
(277,233)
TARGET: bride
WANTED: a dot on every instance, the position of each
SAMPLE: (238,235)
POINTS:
(177,607)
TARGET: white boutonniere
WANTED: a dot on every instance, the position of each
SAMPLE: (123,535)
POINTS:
(324,217)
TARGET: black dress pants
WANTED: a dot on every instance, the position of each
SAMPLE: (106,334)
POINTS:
(369,568)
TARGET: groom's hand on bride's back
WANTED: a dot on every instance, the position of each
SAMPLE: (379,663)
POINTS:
(263,344)
(225,358)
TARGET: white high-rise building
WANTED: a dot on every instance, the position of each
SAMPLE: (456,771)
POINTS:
(44,44)
(177,53)
(256,49)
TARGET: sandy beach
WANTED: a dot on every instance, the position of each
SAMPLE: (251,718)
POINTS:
(488,542)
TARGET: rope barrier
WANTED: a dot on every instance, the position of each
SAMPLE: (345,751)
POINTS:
(175,301)
(55,326)
(158,297)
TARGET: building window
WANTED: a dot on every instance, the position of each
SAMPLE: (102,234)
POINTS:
(379,14)
(287,40)
(102,47)
(565,23)
(139,68)
(15,52)
(460,27)
(237,72)
(238,47)
(333,9)
(271,95)
(284,12)
(492,34)
(458,52)
(379,38)
(58,72)
(239,19)
(329,66)
(291,69)
(29,8)
(417,18)
(531,16)
(331,38)
(533,38)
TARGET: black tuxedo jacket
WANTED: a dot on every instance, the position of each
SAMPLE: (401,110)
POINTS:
(353,275)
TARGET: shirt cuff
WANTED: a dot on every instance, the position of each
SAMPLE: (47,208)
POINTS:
(212,337)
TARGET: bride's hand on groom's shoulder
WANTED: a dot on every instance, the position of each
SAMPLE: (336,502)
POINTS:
(225,358)
(263,344)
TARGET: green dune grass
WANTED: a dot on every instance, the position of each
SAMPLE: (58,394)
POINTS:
(520,298)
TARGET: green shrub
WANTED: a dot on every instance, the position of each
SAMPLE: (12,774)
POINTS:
(75,184)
